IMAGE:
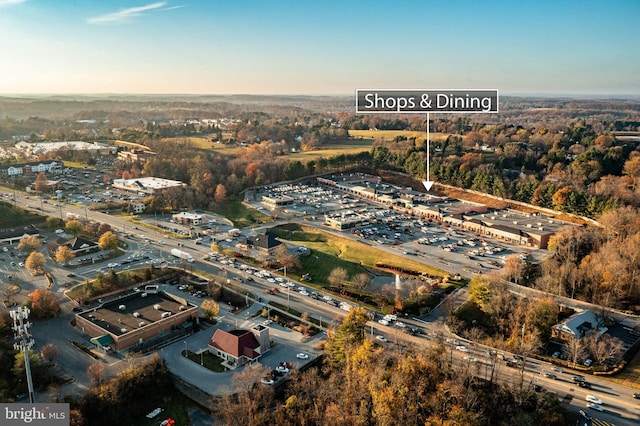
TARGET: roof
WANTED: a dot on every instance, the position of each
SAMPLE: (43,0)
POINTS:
(13,233)
(266,240)
(103,340)
(79,244)
(236,343)
(581,323)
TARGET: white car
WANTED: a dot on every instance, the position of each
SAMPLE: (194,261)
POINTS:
(282,369)
(383,321)
(470,358)
(594,406)
(302,356)
(267,381)
(594,399)
(462,348)
(382,338)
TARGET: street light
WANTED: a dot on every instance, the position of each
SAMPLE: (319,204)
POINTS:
(24,342)
(186,351)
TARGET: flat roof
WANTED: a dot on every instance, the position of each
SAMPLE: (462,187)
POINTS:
(110,317)
(148,182)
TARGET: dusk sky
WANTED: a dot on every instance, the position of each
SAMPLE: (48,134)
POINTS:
(323,47)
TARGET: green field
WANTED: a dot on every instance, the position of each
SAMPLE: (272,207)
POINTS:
(240,215)
(351,147)
(330,251)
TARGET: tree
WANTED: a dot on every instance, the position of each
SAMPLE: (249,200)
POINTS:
(29,243)
(480,292)
(52,246)
(44,303)
(104,227)
(64,255)
(513,268)
(362,280)
(36,260)
(221,194)
(603,347)
(53,223)
(73,227)
(338,277)
(41,184)
(574,347)
(348,335)
(49,352)
(210,308)
(96,372)
(108,241)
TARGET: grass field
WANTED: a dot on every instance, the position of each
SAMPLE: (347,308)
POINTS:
(330,251)
(198,142)
(630,376)
(389,135)
(351,147)
(240,215)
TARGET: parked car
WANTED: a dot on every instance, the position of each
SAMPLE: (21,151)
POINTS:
(462,348)
(382,338)
(267,381)
(282,369)
(302,356)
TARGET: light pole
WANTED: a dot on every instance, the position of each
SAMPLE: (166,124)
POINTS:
(186,351)
(24,342)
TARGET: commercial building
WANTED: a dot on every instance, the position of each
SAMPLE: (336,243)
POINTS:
(187,218)
(238,347)
(16,170)
(134,319)
(147,185)
(10,236)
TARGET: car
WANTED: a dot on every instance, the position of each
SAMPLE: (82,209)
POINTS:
(282,369)
(588,362)
(578,378)
(585,415)
(302,356)
(267,322)
(550,376)
(594,406)
(21,265)
(557,369)
(585,385)
(636,395)
(470,359)
(594,399)
(556,354)
(77,309)
(269,382)
(382,338)
(462,348)
(383,321)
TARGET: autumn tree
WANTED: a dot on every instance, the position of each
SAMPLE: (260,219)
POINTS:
(64,255)
(96,372)
(29,243)
(108,241)
(603,347)
(44,303)
(479,291)
(73,227)
(349,333)
(221,194)
(36,260)
(338,277)
(285,258)
(49,352)
(104,227)
(513,268)
(41,184)
(210,308)
(574,347)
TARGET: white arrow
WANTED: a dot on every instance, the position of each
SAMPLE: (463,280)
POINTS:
(427,183)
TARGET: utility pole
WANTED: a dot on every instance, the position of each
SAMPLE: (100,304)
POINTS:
(24,341)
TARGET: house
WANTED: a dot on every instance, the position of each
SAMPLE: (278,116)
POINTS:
(238,347)
(579,325)
(266,242)
(79,245)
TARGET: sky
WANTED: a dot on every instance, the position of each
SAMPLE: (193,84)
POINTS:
(567,47)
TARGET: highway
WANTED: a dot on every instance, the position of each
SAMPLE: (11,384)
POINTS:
(620,407)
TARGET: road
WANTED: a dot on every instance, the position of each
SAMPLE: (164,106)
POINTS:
(620,407)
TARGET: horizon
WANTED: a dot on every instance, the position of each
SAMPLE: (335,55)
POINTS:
(331,49)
